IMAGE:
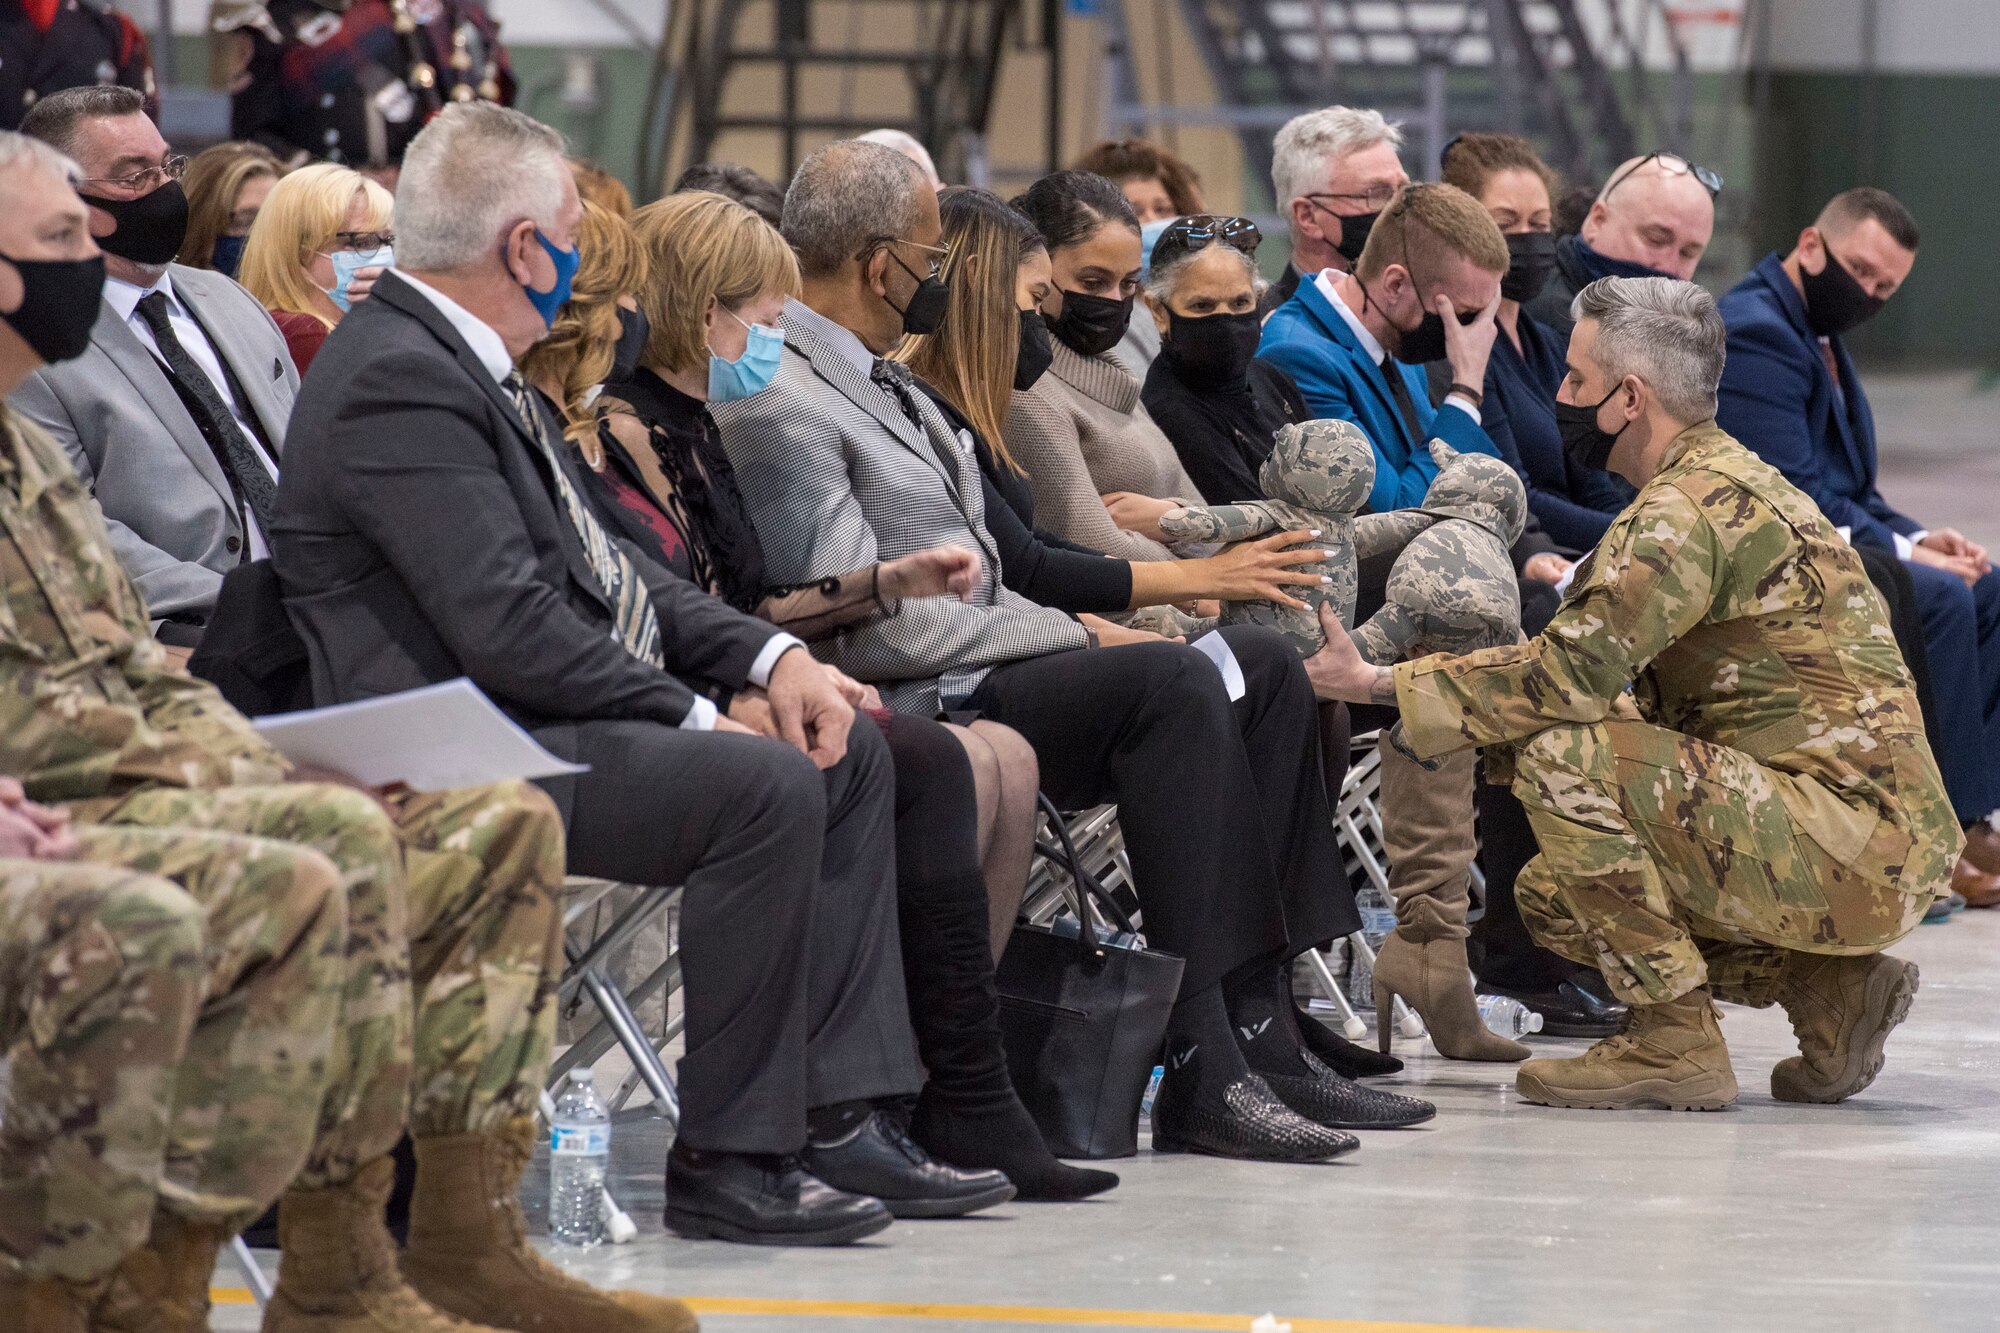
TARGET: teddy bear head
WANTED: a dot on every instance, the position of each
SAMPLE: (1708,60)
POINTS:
(1324,466)
(1480,489)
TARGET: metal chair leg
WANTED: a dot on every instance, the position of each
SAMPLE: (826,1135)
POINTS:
(253,1272)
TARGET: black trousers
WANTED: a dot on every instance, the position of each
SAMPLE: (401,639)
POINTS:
(794,981)
(1223,804)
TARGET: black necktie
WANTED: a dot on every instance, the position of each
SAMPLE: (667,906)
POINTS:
(253,483)
(1393,372)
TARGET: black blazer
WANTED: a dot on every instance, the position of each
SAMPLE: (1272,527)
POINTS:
(418,537)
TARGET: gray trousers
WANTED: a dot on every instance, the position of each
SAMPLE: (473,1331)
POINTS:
(794,978)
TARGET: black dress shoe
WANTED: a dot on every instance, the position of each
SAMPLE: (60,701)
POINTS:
(1571,1009)
(762,1199)
(1341,1055)
(1325,1098)
(1253,1125)
(878,1158)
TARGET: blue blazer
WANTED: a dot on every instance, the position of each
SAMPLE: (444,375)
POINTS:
(1779,400)
(1575,505)
(1308,340)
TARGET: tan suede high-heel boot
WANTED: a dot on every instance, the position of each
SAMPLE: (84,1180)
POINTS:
(469,1250)
(1427,837)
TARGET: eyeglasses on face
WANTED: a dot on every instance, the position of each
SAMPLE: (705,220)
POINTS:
(170,169)
(938,253)
(1198,231)
(1671,164)
(363,240)
(1372,200)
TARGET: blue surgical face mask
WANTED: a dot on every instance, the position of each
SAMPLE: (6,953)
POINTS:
(346,263)
(227,256)
(750,373)
(549,302)
(1148,234)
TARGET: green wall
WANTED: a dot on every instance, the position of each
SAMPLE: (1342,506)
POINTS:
(1928,139)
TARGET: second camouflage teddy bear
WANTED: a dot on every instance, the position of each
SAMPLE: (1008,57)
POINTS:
(1453,590)
(1318,473)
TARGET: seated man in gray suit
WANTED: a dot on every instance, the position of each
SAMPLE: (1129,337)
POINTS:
(1221,799)
(176,414)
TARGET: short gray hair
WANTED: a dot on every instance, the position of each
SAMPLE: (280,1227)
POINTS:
(57,118)
(1310,141)
(471,173)
(1162,280)
(845,197)
(909,146)
(19,148)
(1666,332)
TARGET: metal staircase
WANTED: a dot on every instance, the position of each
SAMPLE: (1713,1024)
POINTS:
(1574,74)
(925,66)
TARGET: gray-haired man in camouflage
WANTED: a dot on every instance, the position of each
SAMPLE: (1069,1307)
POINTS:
(1760,816)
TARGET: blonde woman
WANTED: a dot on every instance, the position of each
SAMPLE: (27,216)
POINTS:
(320,241)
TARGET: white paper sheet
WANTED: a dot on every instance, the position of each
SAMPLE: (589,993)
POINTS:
(432,739)
(1216,649)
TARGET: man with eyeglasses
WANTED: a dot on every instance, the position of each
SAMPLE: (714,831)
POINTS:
(175,416)
(1333,171)
(1790,392)
(1653,219)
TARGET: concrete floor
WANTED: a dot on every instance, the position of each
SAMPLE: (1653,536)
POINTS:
(1878,1215)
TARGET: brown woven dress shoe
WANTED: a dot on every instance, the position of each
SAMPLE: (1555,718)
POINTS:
(1979,888)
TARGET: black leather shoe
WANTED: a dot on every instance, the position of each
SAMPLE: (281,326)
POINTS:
(1570,1010)
(1325,1098)
(878,1158)
(762,1199)
(1256,1126)
(1341,1055)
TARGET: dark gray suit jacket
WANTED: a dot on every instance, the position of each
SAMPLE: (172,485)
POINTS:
(418,537)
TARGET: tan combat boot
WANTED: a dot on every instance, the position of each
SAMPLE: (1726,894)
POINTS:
(1843,1010)
(469,1250)
(1671,1056)
(47,1304)
(163,1286)
(338,1271)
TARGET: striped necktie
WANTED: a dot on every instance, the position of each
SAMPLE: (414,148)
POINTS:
(635,625)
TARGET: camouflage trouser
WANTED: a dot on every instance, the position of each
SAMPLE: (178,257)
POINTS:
(1669,863)
(168,1006)
(460,897)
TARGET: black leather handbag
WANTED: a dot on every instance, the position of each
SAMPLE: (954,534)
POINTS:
(1083,1017)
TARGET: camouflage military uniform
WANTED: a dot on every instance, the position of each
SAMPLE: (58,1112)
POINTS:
(1767,788)
(1316,475)
(456,899)
(176,992)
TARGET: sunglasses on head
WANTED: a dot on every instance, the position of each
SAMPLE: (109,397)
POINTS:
(1673,164)
(1198,231)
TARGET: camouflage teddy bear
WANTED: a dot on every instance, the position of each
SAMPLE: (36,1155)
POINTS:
(1453,590)
(1317,475)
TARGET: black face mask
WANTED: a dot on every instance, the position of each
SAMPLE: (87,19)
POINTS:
(1586,445)
(1091,325)
(58,305)
(1531,258)
(150,228)
(1354,235)
(1835,302)
(634,330)
(1212,351)
(924,311)
(1035,353)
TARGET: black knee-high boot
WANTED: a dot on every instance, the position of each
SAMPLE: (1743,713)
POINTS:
(968,1113)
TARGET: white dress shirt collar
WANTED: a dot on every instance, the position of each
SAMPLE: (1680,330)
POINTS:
(1328,281)
(838,339)
(484,340)
(124,297)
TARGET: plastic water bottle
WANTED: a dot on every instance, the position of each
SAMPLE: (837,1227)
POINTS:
(1152,1091)
(1508,1016)
(1378,919)
(579,1152)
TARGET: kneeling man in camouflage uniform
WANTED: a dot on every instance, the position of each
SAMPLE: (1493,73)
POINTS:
(1760,816)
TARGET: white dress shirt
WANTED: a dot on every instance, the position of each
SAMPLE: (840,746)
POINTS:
(491,349)
(1327,280)
(124,297)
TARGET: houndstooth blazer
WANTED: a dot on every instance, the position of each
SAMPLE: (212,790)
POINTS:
(836,477)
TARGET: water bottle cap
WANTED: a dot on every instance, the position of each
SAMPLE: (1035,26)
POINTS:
(582,1074)
(1534,1023)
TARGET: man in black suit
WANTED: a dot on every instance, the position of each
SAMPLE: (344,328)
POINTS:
(428,527)
(1220,797)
